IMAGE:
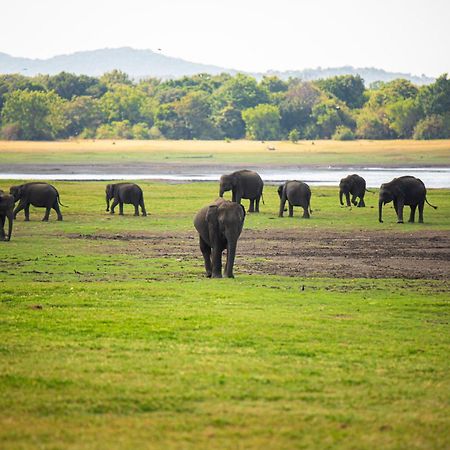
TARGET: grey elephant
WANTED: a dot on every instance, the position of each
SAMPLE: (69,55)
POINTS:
(39,194)
(243,184)
(296,193)
(219,226)
(355,186)
(407,190)
(6,211)
(128,193)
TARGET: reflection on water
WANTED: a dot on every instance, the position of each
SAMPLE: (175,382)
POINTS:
(435,177)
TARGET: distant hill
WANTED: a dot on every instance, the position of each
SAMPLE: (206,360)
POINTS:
(145,63)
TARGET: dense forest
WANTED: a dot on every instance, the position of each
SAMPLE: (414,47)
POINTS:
(222,106)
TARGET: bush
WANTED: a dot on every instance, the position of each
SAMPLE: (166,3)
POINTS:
(343,133)
(294,135)
(433,127)
(11,132)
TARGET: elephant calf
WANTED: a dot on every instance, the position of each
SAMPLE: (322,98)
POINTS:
(403,191)
(128,193)
(296,193)
(6,211)
(354,185)
(41,195)
(219,226)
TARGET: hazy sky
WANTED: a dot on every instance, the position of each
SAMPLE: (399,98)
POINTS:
(255,35)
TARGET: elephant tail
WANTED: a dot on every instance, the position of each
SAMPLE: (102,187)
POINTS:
(435,207)
(262,198)
(59,201)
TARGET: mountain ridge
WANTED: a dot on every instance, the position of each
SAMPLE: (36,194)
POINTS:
(141,63)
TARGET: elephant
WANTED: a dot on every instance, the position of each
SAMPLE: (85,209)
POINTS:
(128,193)
(219,226)
(296,193)
(406,190)
(6,211)
(41,195)
(354,185)
(243,184)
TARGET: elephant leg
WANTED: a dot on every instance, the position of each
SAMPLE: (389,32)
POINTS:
(58,211)
(121,208)
(282,203)
(413,213)
(354,202)
(19,208)
(47,214)
(252,205)
(216,262)
(306,212)
(27,213)
(206,252)
(361,202)
(347,198)
(231,254)
(144,212)
(400,212)
(2,225)
(136,209)
(291,210)
(10,225)
(421,205)
(257,204)
(114,204)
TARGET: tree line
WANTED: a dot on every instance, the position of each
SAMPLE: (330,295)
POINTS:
(222,106)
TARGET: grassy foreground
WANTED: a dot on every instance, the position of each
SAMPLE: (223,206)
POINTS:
(104,346)
(397,152)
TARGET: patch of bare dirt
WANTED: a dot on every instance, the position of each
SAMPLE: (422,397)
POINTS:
(323,253)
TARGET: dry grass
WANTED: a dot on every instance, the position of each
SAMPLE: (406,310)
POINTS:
(251,147)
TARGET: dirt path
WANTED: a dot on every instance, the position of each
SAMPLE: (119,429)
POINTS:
(320,253)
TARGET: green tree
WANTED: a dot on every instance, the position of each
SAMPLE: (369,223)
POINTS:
(16,82)
(434,99)
(433,127)
(403,116)
(373,125)
(68,85)
(296,108)
(348,88)
(262,122)
(230,123)
(124,102)
(40,115)
(241,92)
(82,113)
(115,77)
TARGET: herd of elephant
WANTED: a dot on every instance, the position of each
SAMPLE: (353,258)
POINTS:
(220,224)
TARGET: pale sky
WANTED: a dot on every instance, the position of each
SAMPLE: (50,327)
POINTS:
(396,35)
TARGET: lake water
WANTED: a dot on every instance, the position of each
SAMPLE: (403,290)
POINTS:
(434,177)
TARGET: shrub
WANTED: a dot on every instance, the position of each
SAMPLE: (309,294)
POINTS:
(343,133)
(294,135)
(11,132)
(433,127)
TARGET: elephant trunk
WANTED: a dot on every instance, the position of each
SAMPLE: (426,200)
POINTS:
(231,254)
(341,193)
(380,211)
(221,191)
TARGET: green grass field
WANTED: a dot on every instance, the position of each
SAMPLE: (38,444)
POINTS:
(103,346)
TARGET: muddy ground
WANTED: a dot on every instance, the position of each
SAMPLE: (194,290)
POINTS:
(307,253)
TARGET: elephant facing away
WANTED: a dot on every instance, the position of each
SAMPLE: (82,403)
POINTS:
(128,193)
(403,191)
(219,226)
(6,211)
(355,186)
(243,184)
(296,193)
(41,195)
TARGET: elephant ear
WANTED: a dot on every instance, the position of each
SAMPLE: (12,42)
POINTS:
(212,219)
